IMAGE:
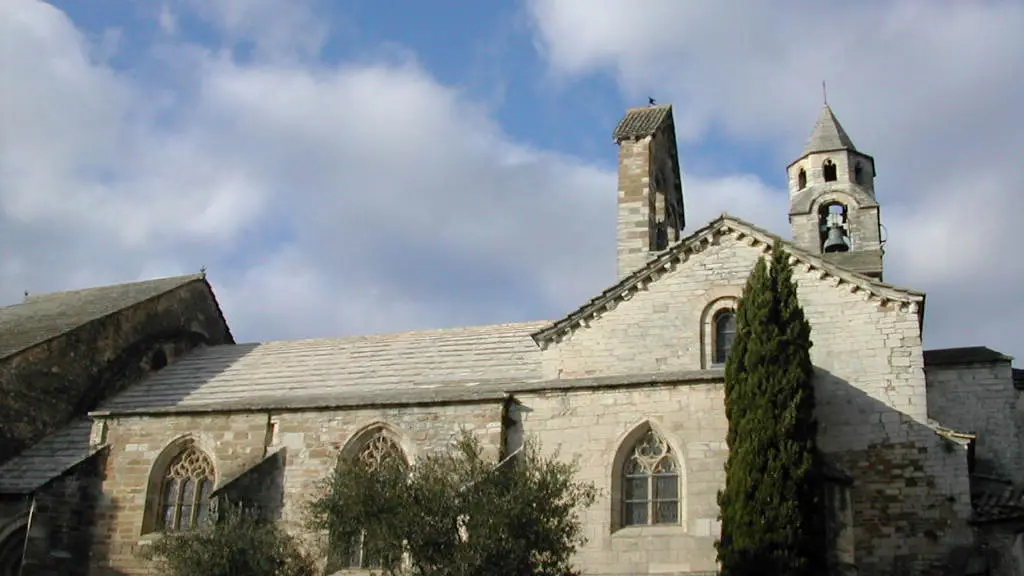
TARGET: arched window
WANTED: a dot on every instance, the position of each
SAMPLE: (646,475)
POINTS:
(724,333)
(828,171)
(801,179)
(379,449)
(185,491)
(650,483)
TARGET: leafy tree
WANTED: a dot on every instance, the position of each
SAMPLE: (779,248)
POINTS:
(240,543)
(771,508)
(457,513)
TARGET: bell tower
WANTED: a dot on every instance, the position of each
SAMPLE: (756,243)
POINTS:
(832,206)
(650,186)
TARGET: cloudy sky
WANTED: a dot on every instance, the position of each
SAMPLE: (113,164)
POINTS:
(365,165)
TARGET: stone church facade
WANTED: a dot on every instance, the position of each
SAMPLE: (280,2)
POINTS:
(924,447)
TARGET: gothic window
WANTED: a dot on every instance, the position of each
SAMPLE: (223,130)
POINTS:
(801,179)
(650,483)
(828,171)
(724,333)
(379,450)
(185,491)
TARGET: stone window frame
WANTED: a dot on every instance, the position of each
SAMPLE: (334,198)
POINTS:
(709,335)
(358,442)
(152,517)
(624,451)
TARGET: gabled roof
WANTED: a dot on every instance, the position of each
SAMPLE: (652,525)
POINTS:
(48,458)
(458,364)
(695,243)
(966,355)
(46,316)
(828,134)
(642,121)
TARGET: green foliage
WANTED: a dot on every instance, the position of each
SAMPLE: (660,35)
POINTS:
(772,509)
(240,544)
(458,514)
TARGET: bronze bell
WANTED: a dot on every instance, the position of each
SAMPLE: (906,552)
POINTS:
(836,240)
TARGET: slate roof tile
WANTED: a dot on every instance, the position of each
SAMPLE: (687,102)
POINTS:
(384,368)
(966,355)
(48,458)
(641,122)
(828,134)
(45,316)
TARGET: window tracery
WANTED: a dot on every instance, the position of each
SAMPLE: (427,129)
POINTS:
(650,483)
(379,450)
(185,491)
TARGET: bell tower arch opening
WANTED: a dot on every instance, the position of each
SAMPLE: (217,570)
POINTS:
(835,228)
(828,170)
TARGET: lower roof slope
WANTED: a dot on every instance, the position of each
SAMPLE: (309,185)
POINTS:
(48,459)
(378,369)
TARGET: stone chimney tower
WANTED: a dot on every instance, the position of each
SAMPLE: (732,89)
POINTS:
(650,187)
(832,206)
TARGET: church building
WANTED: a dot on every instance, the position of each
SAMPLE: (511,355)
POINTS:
(924,451)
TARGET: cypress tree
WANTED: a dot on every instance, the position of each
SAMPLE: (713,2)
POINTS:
(771,508)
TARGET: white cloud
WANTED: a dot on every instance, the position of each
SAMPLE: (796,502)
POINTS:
(167,20)
(324,200)
(931,89)
(342,199)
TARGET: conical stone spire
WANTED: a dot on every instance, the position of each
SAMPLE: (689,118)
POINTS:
(828,134)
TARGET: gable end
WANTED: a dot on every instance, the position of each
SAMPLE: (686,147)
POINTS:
(874,290)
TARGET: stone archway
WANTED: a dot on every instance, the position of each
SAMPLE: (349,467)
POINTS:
(12,548)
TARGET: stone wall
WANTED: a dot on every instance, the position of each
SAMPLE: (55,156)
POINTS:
(870,385)
(980,398)
(636,204)
(309,441)
(598,425)
(650,208)
(68,376)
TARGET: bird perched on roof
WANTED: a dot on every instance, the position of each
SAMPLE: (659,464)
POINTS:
(650,101)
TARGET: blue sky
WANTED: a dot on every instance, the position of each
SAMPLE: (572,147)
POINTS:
(354,166)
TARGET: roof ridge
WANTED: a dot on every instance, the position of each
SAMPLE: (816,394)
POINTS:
(668,259)
(394,333)
(42,318)
(184,278)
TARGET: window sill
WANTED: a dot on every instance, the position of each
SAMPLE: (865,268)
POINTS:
(150,538)
(649,530)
